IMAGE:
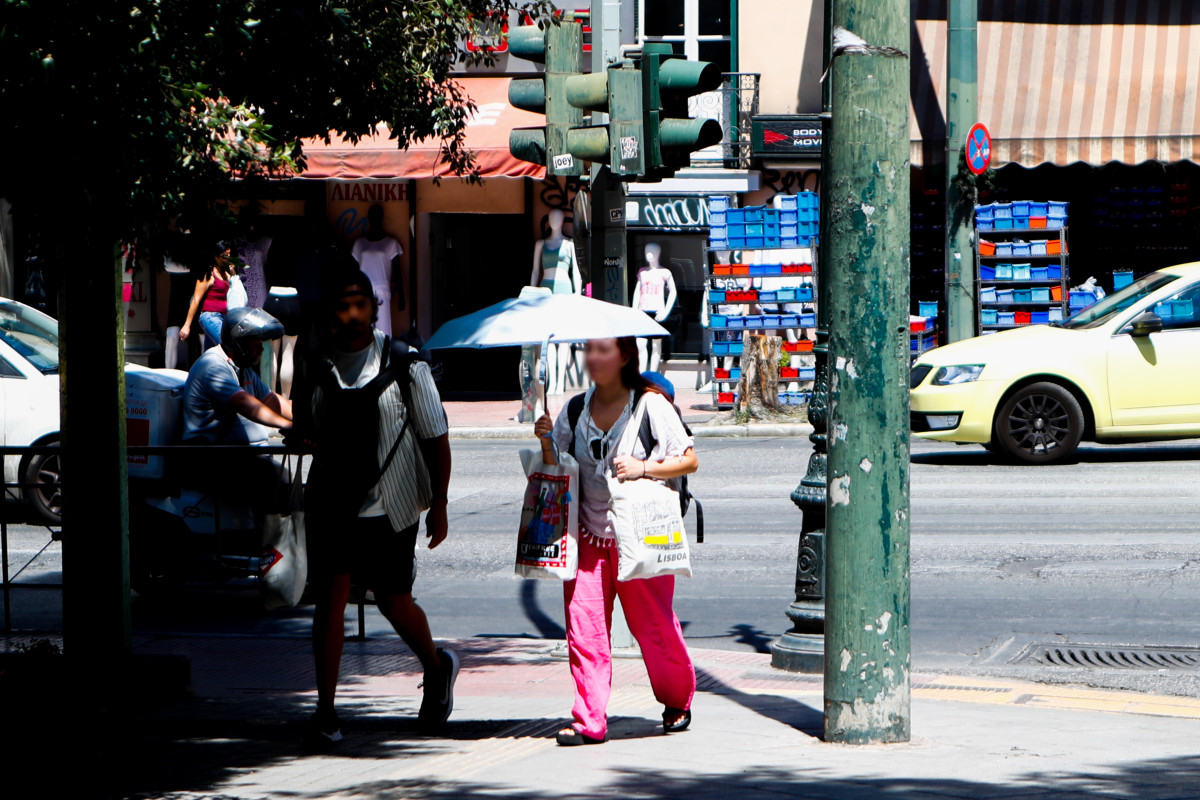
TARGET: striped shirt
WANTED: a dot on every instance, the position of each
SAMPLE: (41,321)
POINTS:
(404,491)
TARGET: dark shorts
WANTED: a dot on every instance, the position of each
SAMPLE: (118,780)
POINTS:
(375,556)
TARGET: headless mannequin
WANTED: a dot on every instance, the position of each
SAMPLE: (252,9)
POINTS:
(655,294)
(371,252)
(556,268)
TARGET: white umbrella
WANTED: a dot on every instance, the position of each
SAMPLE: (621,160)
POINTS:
(540,317)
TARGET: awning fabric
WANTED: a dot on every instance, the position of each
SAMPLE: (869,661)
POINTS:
(1062,81)
(380,157)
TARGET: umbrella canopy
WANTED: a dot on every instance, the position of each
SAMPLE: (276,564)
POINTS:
(537,317)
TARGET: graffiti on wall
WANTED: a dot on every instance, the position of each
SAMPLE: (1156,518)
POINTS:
(350,224)
(668,213)
(776,182)
(558,194)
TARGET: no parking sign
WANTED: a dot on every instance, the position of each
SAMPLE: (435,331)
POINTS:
(979,148)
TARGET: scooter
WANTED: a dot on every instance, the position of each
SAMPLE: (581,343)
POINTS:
(179,531)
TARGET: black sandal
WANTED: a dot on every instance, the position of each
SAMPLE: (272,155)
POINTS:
(682,719)
(574,738)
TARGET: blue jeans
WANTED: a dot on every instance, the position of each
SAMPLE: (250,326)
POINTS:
(210,323)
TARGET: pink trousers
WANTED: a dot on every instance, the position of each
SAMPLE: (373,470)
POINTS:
(652,620)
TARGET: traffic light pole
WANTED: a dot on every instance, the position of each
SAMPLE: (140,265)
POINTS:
(609,256)
(962,66)
(802,648)
(867,661)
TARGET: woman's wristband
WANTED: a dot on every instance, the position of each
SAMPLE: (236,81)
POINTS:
(644,463)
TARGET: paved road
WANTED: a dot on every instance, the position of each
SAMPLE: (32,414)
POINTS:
(1105,551)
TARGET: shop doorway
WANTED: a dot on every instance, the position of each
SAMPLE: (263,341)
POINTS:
(683,254)
(478,260)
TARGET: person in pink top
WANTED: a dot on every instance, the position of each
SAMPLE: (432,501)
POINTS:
(208,299)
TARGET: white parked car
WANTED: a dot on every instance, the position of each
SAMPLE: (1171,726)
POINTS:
(29,405)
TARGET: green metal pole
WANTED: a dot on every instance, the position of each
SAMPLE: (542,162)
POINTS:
(802,648)
(962,66)
(867,683)
(609,259)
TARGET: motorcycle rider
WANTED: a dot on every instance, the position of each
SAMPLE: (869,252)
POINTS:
(223,386)
(224,401)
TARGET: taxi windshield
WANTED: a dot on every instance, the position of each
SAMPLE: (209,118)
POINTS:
(31,333)
(1109,307)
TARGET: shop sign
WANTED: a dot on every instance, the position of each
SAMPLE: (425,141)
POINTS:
(667,212)
(368,191)
(795,136)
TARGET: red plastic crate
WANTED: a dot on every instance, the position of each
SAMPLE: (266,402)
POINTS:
(790,269)
(739,269)
(741,296)
(721,374)
(802,346)
(1022,317)
(987,248)
(722,269)
(789,372)
(725,398)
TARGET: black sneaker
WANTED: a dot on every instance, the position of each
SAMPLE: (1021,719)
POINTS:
(439,695)
(324,732)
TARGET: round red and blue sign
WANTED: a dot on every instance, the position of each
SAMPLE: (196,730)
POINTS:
(979,148)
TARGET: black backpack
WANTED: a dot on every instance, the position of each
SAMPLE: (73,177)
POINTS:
(350,468)
(648,440)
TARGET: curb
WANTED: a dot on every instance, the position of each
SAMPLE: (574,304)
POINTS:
(699,432)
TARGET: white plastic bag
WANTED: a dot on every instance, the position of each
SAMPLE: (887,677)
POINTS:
(548,540)
(646,515)
(236,296)
(283,565)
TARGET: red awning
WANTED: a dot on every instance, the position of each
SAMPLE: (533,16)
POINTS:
(380,157)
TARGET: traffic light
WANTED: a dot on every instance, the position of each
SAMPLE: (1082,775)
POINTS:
(648,134)
(560,47)
(667,83)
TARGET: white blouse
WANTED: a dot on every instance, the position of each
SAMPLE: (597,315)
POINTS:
(595,518)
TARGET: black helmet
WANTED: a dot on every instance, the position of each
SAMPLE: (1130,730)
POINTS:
(246,324)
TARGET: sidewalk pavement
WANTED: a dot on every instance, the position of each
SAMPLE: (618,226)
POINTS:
(757,733)
(496,419)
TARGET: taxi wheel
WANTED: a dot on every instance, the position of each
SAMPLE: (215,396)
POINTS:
(1039,424)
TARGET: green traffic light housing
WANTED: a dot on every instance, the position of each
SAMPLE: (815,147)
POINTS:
(559,46)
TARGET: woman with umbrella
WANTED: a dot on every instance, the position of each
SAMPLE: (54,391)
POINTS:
(617,387)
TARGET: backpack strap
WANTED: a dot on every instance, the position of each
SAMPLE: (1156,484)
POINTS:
(574,412)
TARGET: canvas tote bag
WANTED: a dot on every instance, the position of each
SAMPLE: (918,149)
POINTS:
(646,515)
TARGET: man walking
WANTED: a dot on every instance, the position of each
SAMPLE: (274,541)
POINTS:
(381,457)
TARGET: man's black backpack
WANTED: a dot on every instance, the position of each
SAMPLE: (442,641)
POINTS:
(646,437)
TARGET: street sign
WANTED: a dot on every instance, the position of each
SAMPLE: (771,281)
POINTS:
(979,148)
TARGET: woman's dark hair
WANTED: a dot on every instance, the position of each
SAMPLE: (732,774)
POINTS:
(339,280)
(631,373)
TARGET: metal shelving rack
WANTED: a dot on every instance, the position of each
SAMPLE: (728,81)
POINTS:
(726,366)
(1021,236)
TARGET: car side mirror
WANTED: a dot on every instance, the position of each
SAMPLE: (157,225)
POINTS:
(1146,323)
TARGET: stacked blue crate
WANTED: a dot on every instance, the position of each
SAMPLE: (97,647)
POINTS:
(791,223)
(1021,215)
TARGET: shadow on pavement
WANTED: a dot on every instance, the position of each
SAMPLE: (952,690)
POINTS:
(1150,780)
(545,624)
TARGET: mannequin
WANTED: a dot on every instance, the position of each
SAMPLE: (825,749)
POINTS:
(180,293)
(378,254)
(556,267)
(252,248)
(655,294)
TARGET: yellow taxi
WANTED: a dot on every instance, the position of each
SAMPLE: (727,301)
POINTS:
(1125,369)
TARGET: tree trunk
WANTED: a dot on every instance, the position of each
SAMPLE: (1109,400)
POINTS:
(96,624)
(758,391)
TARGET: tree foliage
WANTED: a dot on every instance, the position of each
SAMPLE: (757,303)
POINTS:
(138,108)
